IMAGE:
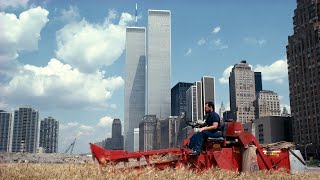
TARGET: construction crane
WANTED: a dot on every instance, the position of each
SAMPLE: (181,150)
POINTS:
(71,146)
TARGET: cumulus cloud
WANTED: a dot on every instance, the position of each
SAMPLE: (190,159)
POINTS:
(70,15)
(19,34)
(13,3)
(255,41)
(90,46)
(225,76)
(277,71)
(201,42)
(59,85)
(105,121)
(216,30)
(189,51)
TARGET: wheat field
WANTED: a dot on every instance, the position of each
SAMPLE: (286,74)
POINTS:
(92,171)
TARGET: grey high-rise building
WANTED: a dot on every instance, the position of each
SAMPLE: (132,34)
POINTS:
(207,91)
(258,81)
(267,104)
(116,128)
(116,140)
(242,92)
(303,54)
(49,134)
(135,82)
(25,130)
(178,98)
(159,63)
(5,131)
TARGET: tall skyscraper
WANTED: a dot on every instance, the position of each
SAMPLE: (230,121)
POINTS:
(267,104)
(5,131)
(258,81)
(207,90)
(49,134)
(178,98)
(242,92)
(192,105)
(135,82)
(159,63)
(25,130)
(303,54)
(199,100)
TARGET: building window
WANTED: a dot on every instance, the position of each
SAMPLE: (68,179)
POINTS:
(260,131)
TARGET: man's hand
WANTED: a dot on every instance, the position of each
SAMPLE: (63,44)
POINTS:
(201,129)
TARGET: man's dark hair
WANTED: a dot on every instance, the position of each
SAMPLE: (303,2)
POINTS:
(210,104)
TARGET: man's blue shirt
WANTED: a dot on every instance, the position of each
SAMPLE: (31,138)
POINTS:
(211,118)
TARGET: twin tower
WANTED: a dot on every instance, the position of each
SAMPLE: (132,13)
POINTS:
(148,72)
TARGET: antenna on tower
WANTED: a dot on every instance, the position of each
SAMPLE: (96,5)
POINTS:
(136,13)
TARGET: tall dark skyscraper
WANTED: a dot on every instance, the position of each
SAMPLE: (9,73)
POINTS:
(116,128)
(303,54)
(178,98)
(258,81)
(116,140)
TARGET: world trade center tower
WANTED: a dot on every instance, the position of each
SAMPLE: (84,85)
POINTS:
(159,64)
(135,82)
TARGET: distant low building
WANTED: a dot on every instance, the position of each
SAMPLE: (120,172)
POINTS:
(270,129)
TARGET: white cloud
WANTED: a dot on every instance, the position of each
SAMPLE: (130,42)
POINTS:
(201,42)
(255,41)
(225,76)
(218,44)
(189,51)
(216,30)
(105,121)
(13,3)
(59,85)
(19,34)
(70,15)
(276,72)
(85,133)
(90,46)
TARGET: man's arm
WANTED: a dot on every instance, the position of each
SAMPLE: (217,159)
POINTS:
(209,128)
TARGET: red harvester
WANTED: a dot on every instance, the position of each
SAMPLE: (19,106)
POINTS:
(228,153)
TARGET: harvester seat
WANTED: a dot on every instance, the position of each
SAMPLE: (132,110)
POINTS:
(220,139)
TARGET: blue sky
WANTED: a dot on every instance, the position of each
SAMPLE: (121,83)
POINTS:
(66,58)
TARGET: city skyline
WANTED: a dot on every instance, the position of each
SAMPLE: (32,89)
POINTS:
(61,77)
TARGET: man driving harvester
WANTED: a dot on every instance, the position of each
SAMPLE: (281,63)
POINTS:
(211,128)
